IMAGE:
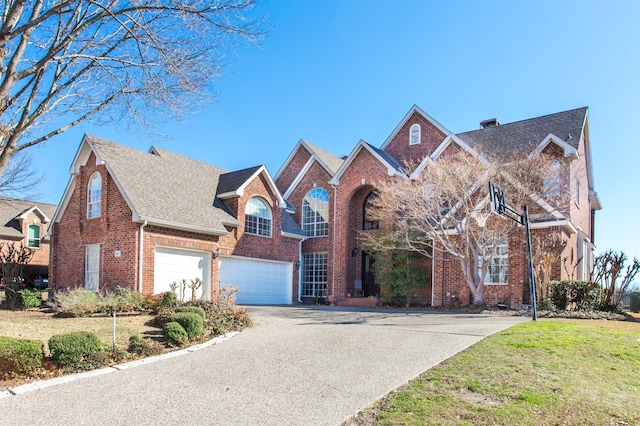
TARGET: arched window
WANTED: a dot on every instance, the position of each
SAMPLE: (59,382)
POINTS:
(94,196)
(34,236)
(552,182)
(257,218)
(369,221)
(414,134)
(315,211)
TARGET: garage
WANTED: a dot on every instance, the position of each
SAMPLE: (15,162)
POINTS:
(174,265)
(260,282)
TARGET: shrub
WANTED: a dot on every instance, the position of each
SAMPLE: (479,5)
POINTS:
(193,309)
(76,302)
(30,298)
(580,295)
(68,350)
(20,356)
(223,315)
(144,347)
(174,334)
(634,301)
(168,299)
(192,323)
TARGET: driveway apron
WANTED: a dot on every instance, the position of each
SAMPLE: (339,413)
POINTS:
(296,366)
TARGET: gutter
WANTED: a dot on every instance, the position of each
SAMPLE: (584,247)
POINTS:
(141,255)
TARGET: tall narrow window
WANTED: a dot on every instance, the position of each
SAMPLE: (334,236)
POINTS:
(414,134)
(314,275)
(552,182)
(370,222)
(258,217)
(34,236)
(94,196)
(576,190)
(498,270)
(92,267)
(315,211)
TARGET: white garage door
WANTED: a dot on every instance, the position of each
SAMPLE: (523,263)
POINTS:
(260,282)
(174,265)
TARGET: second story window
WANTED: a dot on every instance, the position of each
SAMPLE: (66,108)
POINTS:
(576,190)
(34,236)
(258,217)
(94,196)
(552,182)
(414,134)
(315,211)
(370,222)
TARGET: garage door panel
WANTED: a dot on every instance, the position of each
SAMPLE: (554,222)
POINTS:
(259,282)
(174,265)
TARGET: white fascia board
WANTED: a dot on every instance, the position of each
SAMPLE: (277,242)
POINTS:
(180,226)
(300,143)
(294,236)
(414,108)
(301,174)
(318,159)
(594,200)
(391,171)
(566,224)
(569,151)
(538,200)
(446,142)
(35,209)
(240,191)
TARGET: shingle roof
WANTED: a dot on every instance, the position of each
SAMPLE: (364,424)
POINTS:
(11,208)
(290,226)
(165,187)
(526,135)
(327,158)
(231,181)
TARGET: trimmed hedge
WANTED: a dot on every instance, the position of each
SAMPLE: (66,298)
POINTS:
(68,350)
(20,356)
(193,309)
(144,347)
(192,323)
(174,334)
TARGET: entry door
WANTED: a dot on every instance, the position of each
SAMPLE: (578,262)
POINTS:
(370,286)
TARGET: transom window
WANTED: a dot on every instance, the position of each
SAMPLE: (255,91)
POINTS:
(315,211)
(499,267)
(92,267)
(94,196)
(414,134)
(370,221)
(314,275)
(34,236)
(258,217)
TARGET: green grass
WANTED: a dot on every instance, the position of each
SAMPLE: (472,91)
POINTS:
(536,373)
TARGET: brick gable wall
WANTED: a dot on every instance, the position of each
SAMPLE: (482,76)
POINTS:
(400,149)
(288,175)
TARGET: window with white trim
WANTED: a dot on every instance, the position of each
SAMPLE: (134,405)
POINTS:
(94,196)
(576,190)
(498,271)
(257,218)
(33,239)
(314,275)
(92,267)
(552,182)
(315,211)
(414,134)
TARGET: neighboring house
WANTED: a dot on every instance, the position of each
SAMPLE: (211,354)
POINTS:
(144,220)
(26,222)
(329,198)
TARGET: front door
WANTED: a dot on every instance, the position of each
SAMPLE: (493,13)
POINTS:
(370,286)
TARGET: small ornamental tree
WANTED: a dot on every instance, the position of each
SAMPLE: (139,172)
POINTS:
(608,270)
(400,275)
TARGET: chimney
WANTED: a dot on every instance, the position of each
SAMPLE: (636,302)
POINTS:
(489,123)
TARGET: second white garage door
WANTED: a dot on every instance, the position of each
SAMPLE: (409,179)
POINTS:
(174,265)
(260,282)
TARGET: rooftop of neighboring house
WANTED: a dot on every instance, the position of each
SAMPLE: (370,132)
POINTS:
(11,210)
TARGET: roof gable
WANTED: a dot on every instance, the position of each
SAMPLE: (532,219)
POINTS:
(392,166)
(414,110)
(13,210)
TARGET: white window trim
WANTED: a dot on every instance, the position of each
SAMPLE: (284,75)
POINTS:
(415,126)
(92,267)
(576,190)
(94,200)
(318,207)
(259,218)
(503,263)
(552,182)
(34,226)
(318,287)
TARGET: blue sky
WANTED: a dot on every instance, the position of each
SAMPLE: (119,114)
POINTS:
(335,72)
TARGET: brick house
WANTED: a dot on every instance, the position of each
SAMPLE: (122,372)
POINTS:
(26,222)
(329,197)
(144,220)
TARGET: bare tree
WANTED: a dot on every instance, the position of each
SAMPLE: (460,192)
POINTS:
(21,179)
(547,251)
(445,210)
(607,270)
(65,61)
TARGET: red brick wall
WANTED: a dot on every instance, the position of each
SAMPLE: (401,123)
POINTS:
(40,254)
(401,150)
(287,176)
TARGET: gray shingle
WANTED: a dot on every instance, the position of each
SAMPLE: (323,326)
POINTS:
(327,158)
(11,208)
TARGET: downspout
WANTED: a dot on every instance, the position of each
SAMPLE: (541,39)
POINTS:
(141,255)
(333,243)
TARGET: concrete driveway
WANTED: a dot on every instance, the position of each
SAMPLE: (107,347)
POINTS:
(296,366)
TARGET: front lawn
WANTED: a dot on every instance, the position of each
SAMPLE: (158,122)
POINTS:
(547,372)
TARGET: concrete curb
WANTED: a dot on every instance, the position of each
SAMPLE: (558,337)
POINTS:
(18,390)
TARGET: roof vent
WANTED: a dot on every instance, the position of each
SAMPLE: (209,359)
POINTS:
(489,123)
